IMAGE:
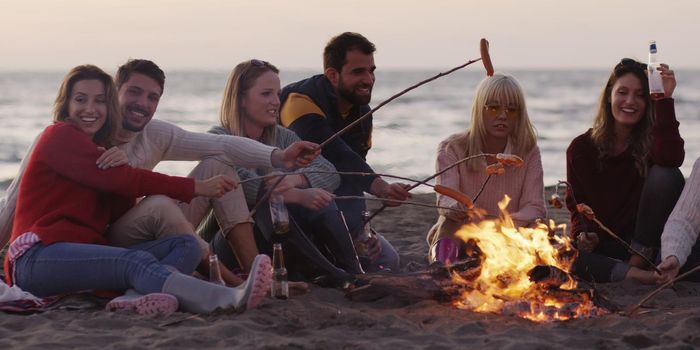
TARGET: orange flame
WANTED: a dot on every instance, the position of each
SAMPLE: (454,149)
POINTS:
(508,254)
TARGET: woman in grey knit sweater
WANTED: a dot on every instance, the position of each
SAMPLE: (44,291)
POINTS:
(250,108)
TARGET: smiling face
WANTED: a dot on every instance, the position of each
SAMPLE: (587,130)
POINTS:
(138,100)
(628,101)
(86,106)
(260,104)
(355,80)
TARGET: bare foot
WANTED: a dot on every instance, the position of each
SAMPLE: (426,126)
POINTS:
(642,276)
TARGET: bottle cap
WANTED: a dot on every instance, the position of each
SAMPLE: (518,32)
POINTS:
(652,46)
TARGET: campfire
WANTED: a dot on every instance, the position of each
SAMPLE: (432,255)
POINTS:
(520,271)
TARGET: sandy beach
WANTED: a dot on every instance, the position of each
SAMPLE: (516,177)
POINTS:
(325,319)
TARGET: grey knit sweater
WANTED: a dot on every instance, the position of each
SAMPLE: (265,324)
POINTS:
(285,137)
(682,228)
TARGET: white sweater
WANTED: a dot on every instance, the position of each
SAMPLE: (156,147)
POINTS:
(683,225)
(158,141)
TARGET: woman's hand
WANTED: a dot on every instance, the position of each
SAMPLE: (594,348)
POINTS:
(214,187)
(111,158)
(459,213)
(314,198)
(668,78)
(397,191)
(587,241)
(669,268)
(298,155)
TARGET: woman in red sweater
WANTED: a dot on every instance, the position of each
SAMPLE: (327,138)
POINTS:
(626,169)
(66,201)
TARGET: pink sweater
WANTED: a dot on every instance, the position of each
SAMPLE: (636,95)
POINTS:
(523,185)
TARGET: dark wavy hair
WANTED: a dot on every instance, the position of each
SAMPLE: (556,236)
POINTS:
(334,55)
(105,135)
(141,66)
(603,132)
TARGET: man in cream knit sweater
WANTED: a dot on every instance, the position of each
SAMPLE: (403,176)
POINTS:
(146,142)
(679,248)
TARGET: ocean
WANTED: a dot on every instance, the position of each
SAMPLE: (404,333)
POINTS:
(406,133)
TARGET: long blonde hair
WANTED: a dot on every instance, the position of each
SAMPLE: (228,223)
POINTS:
(239,82)
(104,136)
(603,131)
(506,90)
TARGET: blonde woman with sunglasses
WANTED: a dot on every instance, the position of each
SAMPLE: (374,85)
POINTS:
(499,124)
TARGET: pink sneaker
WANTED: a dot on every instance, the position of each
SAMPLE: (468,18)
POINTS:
(258,283)
(149,304)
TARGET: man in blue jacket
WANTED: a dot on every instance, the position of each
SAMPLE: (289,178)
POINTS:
(317,107)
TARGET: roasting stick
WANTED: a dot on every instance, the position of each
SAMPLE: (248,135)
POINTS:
(357,173)
(398,201)
(589,214)
(485,58)
(657,290)
(488,66)
(424,181)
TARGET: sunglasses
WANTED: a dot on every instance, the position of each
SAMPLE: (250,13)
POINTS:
(259,63)
(630,63)
(497,109)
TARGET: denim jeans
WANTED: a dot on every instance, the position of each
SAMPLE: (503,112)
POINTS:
(71,267)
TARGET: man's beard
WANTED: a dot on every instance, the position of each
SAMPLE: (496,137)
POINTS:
(352,97)
(127,125)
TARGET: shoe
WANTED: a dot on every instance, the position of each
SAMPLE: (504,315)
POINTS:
(257,285)
(149,304)
(445,250)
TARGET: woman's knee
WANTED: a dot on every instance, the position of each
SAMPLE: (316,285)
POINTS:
(664,180)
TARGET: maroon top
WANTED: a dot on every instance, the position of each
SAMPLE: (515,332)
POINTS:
(612,186)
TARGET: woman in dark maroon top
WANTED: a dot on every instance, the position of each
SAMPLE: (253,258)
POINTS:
(626,169)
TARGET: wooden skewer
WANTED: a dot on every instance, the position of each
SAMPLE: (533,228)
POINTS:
(662,287)
(397,201)
(345,129)
(482,187)
(358,173)
(626,245)
(430,178)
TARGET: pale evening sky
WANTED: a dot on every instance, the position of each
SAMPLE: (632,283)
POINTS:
(434,34)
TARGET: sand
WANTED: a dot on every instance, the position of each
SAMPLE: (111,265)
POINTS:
(325,319)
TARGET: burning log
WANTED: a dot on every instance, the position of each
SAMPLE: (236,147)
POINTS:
(432,283)
(548,276)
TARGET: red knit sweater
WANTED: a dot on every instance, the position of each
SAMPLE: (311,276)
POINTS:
(64,197)
(612,186)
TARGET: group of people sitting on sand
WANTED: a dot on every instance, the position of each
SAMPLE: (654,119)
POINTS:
(86,211)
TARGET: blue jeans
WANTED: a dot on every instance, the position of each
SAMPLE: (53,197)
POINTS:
(71,267)
(389,257)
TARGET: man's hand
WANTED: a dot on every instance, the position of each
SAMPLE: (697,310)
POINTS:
(314,198)
(669,268)
(111,158)
(298,155)
(459,214)
(397,191)
(215,186)
(587,241)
